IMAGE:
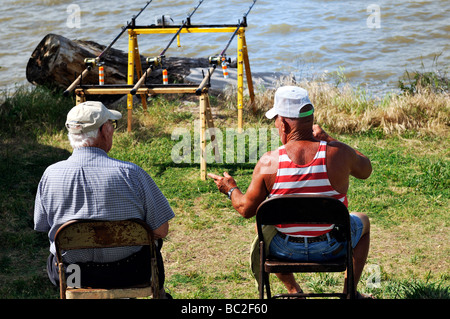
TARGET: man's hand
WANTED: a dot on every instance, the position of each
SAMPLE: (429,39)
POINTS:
(320,134)
(224,183)
(162,231)
(247,203)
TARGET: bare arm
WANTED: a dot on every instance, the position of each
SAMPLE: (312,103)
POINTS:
(162,231)
(362,167)
(359,164)
(246,204)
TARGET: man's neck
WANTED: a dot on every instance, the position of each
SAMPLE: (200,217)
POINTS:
(301,135)
(299,130)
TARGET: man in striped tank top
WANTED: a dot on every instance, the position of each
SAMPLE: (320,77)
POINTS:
(308,162)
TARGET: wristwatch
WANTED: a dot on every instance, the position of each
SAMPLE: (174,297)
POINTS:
(231,191)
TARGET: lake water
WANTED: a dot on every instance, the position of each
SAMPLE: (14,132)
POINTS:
(372,42)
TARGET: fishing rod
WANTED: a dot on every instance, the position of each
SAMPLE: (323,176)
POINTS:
(221,58)
(91,62)
(155,61)
(188,22)
(241,24)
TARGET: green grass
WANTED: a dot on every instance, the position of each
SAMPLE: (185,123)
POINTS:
(207,250)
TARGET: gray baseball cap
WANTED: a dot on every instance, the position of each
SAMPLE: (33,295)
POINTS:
(89,116)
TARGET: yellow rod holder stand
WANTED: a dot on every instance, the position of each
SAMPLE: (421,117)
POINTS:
(206,122)
(242,57)
(248,73)
(80,98)
(135,69)
(203,102)
(240,79)
(139,73)
(132,44)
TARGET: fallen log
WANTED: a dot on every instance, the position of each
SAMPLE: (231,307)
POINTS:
(57,61)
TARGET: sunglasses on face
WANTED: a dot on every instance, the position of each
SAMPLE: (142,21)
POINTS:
(114,124)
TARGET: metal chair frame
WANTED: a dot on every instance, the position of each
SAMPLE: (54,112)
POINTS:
(84,233)
(303,209)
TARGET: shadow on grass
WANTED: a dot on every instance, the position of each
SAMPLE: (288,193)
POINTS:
(24,251)
(215,168)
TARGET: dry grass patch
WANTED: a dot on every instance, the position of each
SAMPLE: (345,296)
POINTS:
(411,251)
(347,109)
(209,262)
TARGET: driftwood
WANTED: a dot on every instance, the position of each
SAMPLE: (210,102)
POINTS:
(57,61)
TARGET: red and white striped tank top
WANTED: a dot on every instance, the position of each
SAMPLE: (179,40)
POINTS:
(311,178)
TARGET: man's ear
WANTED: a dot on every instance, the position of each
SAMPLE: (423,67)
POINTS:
(283,124)
(102,133)
(101,130)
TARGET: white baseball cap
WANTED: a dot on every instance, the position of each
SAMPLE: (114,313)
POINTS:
(289,101)
(89,116)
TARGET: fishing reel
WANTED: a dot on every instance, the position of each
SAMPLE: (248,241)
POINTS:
(219,60)
(164,20)
(155,61)
(91,62)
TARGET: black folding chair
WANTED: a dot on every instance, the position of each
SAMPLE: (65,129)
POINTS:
(305,209)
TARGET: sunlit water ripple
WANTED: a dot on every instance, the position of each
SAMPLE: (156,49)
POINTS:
(307,38)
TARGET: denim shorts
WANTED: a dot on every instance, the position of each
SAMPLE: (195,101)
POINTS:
(329,249)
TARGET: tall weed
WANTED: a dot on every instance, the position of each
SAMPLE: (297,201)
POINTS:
(33,110)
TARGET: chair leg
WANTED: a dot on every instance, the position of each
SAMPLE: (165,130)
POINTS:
(264,284)
(62,281)
(261,271)
(351,289)
(269,294)
(155,276)
(261,290)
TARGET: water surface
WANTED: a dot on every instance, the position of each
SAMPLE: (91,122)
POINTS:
(372,42)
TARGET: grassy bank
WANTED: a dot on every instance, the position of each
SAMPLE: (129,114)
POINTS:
(206,252)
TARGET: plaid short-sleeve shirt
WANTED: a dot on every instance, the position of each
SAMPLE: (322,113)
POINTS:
(92,185)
